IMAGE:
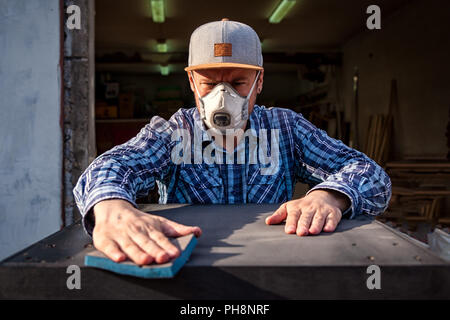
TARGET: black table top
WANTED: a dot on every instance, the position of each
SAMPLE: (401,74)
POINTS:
(244,258)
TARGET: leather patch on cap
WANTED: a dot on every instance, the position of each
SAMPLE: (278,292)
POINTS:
(223,50)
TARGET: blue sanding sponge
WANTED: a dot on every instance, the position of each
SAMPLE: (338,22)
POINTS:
(166,270)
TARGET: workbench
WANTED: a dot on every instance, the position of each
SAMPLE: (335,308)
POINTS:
(240,257)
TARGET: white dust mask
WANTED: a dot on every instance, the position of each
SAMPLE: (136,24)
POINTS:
(223,107)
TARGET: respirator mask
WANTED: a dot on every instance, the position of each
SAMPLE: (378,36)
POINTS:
(223,107)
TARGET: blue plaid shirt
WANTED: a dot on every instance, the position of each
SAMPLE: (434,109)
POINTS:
(306,154)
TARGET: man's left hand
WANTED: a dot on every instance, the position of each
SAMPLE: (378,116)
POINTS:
(319,210)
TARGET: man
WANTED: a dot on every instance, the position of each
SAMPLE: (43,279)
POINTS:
(201,156)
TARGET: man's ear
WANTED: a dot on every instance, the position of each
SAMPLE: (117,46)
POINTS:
(189,74)
(259,84)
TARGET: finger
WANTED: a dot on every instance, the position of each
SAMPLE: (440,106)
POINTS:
(132,250)
(318,222)
(332,221)
(150,246)
(164,243)
(278,216)
(111,249)
(174,229)
(293,214)
(305,221)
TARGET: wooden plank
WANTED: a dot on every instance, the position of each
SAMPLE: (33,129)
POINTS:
(406,191)
(444,220)
(385,143)
(369,136)
(379,137)
(416,164)
(371,150)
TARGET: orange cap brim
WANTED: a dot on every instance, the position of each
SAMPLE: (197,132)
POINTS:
(223,65)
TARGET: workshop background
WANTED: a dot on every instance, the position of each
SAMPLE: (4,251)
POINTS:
(66,95)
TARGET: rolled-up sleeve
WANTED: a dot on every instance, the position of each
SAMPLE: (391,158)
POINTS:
(125,172)
(327,163)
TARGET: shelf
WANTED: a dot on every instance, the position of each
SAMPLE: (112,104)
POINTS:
(122,120)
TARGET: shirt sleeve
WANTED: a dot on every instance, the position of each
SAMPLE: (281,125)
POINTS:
(327,163)
(125,172)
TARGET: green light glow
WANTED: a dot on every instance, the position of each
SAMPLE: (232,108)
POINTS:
(161,47)
(165,70)
(282,9)
(158,11)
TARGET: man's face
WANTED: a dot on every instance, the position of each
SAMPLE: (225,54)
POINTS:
(240,79)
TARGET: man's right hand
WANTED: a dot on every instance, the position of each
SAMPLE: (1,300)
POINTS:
(123,231)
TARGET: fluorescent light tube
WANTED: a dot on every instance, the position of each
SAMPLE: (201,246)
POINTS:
(158,14)
(161,46)
(281,10)
(165,70)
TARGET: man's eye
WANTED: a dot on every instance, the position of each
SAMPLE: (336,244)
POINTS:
(239,83)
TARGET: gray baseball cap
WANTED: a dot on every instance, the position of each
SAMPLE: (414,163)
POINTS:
(224,44)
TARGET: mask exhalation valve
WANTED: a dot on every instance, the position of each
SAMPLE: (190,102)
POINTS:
(222,119)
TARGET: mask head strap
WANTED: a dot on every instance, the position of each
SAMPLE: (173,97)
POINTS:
(245,104)
(202,106)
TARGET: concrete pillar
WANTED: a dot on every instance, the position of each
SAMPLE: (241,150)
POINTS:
(79,99)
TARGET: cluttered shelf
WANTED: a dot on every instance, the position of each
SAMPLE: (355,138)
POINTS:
(125,104)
